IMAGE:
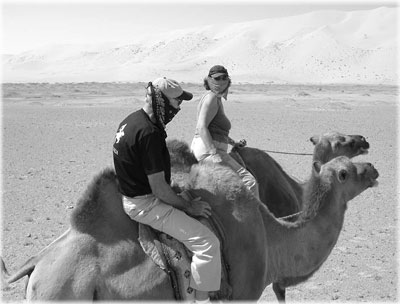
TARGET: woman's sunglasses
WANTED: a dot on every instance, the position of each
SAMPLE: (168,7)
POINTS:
(222,77)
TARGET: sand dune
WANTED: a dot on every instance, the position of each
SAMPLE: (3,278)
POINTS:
(319,47)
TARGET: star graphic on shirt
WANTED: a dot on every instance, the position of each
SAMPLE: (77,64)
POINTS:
(120,133)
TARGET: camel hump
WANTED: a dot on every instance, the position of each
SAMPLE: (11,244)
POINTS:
(100,205)
(99,210)
(217,178)
(222,188)
(182,157)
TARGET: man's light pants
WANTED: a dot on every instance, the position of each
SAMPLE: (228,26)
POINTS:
(206,261)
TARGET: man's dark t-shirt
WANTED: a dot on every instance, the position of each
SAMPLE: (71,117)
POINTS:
(139,150)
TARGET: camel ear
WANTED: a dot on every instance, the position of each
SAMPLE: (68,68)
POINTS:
(314,139)
(342,176)
(317,166)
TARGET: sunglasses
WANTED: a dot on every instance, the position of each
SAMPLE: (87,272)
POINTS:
(175,102)
(222,77)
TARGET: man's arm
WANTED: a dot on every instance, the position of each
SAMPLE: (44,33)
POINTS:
(164,192)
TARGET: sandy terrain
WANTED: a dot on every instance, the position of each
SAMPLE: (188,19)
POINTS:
(56,137)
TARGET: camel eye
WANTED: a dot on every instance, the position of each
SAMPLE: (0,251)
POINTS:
(342,175)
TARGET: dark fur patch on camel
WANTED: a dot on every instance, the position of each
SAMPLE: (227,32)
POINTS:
(181,156)
(182,160)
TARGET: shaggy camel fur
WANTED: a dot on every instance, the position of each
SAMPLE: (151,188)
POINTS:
(282,194)
(100,258)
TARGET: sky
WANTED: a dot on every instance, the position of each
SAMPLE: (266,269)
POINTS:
(29,24)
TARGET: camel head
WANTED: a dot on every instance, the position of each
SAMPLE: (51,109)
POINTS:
(347,179)
(333,144)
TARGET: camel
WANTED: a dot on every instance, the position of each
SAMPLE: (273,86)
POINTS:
(99,257)
(333,144)
(281,193)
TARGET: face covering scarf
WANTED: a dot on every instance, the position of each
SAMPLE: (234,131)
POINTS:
(163,111)
(220,88)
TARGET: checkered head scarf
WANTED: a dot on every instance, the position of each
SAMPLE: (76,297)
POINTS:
(163,111)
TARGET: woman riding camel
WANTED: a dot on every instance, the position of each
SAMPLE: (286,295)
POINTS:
(211,139)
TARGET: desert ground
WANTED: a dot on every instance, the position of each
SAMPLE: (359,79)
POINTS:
(56,137)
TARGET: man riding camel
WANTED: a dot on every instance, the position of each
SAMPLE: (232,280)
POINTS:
(142,165)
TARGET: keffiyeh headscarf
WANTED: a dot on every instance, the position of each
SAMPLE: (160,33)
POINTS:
(162,109)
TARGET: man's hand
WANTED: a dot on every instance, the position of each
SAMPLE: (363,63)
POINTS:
(198,208)
(215,158)
(165,193)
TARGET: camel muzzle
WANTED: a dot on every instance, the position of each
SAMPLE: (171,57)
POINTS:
(375,175)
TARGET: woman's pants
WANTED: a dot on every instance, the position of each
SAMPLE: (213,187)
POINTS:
(206,260)
(200,152)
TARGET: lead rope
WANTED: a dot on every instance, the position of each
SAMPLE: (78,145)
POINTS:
(289,216)
(241,161)
(291,153)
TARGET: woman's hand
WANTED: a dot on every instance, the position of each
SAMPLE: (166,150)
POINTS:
(240,144)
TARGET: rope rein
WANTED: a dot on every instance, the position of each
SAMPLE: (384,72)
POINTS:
(243,143)
(292,153)
(279,152)
(289,216)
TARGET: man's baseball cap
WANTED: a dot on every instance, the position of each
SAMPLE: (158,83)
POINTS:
(217,70)
(172,89)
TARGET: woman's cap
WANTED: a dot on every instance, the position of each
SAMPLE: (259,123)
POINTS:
(217,70)
(172,89)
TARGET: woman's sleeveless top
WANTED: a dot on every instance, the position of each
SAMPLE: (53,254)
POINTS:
(220,125)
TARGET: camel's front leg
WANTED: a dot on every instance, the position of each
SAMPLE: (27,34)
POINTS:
(280,292)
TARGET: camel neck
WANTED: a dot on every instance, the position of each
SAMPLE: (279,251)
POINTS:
(303,246)
(323,153)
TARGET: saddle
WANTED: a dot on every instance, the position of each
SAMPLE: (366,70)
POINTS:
(175,259)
